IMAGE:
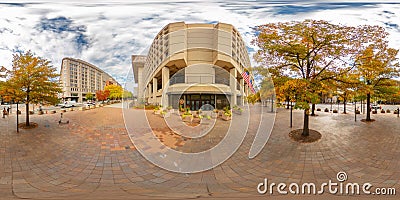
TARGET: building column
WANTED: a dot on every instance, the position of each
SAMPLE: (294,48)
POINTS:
(154,89)
(242,90)
(165,81)
(149,93)
(232,84)
(140,87)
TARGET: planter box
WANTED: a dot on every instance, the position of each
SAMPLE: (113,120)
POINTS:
(326,110)
(226,118)
(31,112)
(383,111)
(187,118)
(335,111)
(387,111)
(318,109)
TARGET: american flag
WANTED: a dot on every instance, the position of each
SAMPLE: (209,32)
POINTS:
(246,77)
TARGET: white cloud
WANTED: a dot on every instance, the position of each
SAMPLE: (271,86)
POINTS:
(116,30)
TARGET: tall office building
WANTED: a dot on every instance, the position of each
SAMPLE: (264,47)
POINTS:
(79,77)
(194,65)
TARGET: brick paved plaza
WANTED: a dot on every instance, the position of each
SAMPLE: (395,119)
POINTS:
(93,157)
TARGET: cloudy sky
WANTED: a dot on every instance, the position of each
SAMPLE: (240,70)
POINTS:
(107,33)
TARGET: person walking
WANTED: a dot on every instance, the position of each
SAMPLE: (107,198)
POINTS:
(4,112)
(8,110)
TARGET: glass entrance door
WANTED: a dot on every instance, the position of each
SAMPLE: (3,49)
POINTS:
(196,101)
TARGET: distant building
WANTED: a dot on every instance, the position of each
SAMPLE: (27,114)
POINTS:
(200,64)
(79,77)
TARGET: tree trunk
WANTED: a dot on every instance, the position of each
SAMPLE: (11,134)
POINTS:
(306,130)
(27,109)
(313,109)
(344,105)
(368,107)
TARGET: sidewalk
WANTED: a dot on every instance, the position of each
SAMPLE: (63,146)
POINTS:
(93,158)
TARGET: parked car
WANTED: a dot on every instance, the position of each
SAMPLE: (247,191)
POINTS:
(375,107)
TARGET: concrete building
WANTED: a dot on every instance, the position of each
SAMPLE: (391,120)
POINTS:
(79,77)
(193,65)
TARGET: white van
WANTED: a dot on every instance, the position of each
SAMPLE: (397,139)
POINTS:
(67,104)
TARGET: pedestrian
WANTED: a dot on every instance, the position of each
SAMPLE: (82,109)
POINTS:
(8,110)
(4,112)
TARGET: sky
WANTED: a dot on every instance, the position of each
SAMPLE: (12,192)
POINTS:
(107,33)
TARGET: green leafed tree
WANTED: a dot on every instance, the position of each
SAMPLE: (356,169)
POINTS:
(127,94)
(89,96)
(32,79)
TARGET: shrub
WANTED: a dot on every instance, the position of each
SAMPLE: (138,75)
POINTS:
(326,110)
(335,111)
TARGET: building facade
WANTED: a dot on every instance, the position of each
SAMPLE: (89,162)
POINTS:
(79,77)
(193,65)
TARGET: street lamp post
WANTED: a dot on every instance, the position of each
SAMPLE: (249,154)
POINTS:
(291,114)
(355,111)
(17,117)
(362,106)
(272,103)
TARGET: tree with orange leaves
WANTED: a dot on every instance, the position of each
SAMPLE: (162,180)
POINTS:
(32,79)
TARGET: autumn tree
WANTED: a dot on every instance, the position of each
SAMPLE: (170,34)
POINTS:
(32,79)
(253,98)
(102,95)
(313,51)
(377,65)
(116,91)
(346,87)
